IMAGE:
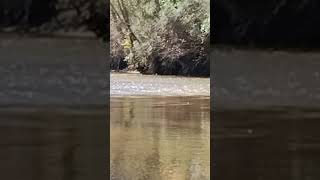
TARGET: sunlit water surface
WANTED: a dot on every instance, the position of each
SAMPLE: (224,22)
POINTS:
(160,127)
(150,85)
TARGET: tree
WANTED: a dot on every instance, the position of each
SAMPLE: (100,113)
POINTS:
(168,29)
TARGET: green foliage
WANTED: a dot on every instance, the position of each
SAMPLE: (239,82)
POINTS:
(165,28)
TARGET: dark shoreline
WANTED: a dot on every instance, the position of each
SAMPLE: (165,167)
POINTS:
(234,48)
(149,74)
(271,49)
(54,35)
(162,66)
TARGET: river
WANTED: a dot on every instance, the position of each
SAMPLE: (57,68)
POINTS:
(53,103)
(53,108)
(266,114)
(160,127)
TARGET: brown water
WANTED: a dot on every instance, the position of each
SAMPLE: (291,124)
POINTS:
(53,143)
(155,137)
(54,116)
(266,115)
(277,144)
(53,112)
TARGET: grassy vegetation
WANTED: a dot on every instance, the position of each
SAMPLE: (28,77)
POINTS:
(161,36)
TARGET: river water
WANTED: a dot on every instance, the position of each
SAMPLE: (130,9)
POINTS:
(53,102)
(53,96)
(266,115)
(54,116)
(159,128)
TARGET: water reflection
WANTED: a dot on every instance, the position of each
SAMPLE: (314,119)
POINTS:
(160,138)
(52,143)
(266,144)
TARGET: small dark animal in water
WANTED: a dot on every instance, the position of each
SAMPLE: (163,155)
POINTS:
(15,12)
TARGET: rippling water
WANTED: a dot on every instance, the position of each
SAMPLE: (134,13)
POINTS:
(52,71)
(266,115)
(251,78)
(53,116)
(150,85)
(160,138)
(277,144)
(52,108)
(160,127)
(52,143)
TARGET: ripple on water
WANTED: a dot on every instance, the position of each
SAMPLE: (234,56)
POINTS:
(155,137)
(137,84)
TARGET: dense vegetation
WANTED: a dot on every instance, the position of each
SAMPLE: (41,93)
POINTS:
(267,23)
(47,16)
(160,36)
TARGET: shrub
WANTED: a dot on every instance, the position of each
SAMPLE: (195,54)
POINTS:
(164,32)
